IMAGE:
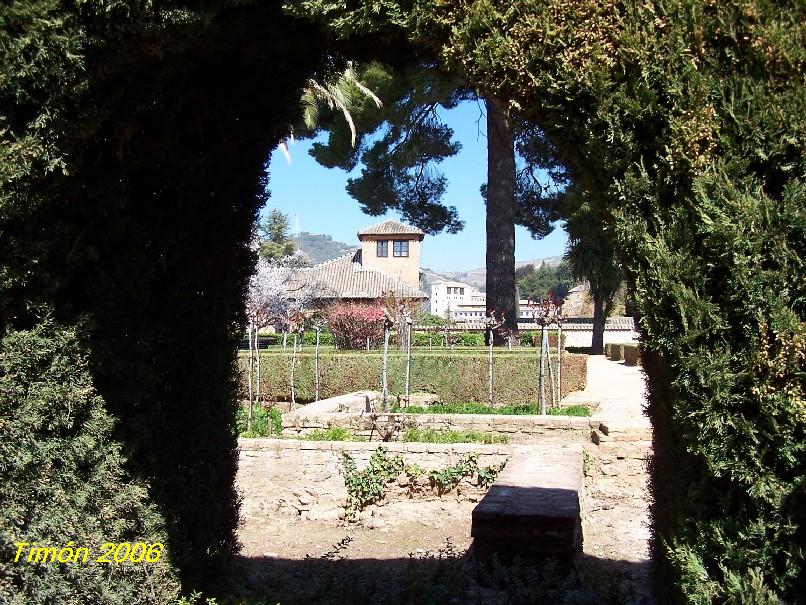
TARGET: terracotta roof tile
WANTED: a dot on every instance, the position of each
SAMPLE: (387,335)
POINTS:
(391,227)
(346,277)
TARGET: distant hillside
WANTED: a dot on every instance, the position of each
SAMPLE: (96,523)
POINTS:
(321,247)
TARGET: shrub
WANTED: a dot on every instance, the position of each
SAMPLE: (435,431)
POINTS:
(325,338)
(616,352)
(63,479)
(531,338)
(352,323)
(469,339)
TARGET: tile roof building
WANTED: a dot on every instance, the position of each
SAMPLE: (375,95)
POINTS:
(388,262)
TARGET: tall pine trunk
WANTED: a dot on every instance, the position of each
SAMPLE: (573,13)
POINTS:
(500,217)
(597,341)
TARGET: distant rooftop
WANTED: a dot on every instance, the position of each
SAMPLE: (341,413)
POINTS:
(391,227)
(346,277)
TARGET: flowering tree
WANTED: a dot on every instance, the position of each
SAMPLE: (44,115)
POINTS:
(269,300)
(352,324)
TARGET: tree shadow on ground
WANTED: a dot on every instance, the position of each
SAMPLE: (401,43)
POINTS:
(441,577)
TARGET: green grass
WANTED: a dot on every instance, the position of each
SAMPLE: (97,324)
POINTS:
(434,436)
(334,433)
(571,410)
(481,408)
(262,419)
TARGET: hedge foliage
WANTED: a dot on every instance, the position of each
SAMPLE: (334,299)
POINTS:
(682,122)
(456,378)
(65,481)
(133,138)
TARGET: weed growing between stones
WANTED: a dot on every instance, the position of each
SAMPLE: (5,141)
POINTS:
(368,486)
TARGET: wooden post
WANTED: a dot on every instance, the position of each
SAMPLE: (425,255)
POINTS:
(551,375)
(249,376)
(316,362)
(408,359)
(293,368)
(543,343)
(257,355)
(384,388)
(560,359)
(490,373)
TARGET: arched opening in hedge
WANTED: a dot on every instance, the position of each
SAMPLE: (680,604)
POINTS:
(134,143)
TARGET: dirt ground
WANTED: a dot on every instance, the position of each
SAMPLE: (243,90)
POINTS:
(614,566)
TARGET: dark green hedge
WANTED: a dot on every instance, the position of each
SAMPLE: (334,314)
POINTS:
(456,378)
(65,481)
(134,137)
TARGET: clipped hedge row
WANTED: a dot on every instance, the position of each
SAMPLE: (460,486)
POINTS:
(528,338)
(455,378)
(632,354)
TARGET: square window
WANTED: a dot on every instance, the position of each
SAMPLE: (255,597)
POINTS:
(401,248)
(382,248)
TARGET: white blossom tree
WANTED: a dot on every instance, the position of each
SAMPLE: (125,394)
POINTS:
(270,300)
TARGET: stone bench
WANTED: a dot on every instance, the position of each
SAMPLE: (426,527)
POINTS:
(533,508)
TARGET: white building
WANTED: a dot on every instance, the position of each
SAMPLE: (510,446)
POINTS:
(458,301)
(463,303)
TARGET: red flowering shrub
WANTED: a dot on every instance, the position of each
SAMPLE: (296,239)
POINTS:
(352,323)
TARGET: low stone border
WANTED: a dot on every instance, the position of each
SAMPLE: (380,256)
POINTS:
(390,426)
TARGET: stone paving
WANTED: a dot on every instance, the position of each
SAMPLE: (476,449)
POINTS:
(617,392)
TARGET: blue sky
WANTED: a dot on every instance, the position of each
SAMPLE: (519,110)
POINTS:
(315,197)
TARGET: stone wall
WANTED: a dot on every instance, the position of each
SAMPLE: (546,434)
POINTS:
(379,426)
(305,478)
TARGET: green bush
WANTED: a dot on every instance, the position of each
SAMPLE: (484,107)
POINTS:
(531,338)
(64,481)
(325,338)
(469,339)
(455,377)
(616,352)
